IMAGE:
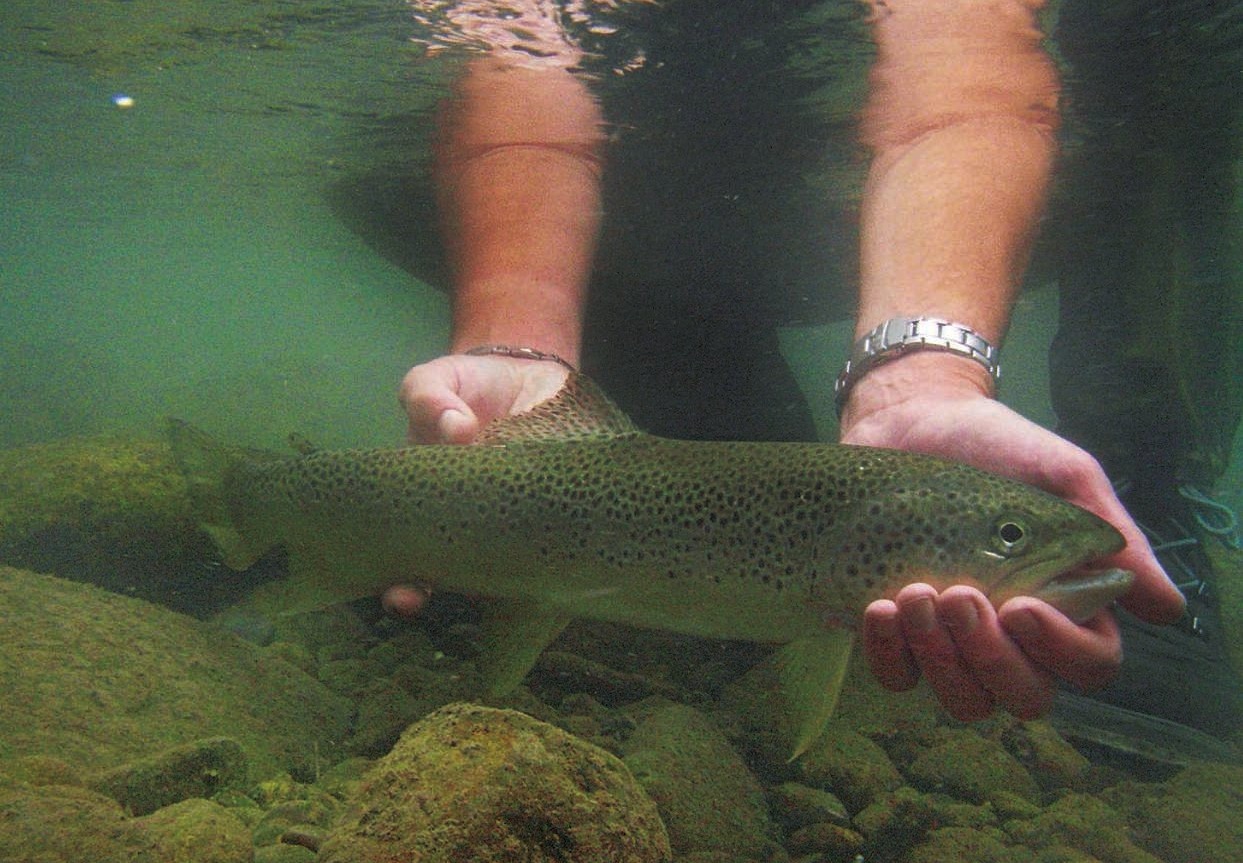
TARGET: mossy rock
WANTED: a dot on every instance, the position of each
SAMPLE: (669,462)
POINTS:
(58,824)
(482,784)
(100,680)
(1195,816)
(708,798)
(112,511)
(972,768)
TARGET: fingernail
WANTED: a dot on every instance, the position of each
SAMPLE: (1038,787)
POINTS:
(1022,625)
(961,618)
(920,615)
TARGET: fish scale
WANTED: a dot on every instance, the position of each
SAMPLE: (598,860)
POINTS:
(569,511)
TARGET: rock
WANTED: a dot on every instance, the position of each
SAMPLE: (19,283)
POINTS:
(198,769)
(194,831)
(98,680)
(795,805)
(284,854)
(566,673)
(832,840)
(1191,818)
(384,711)
(850,765)
(314,815)
(1053,762)
(482,784)
(707,796)
(1085,824)
(972,768)
(901,818)
(40,770)
(961,844)
(56,824)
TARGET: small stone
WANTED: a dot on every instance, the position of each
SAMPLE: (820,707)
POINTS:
(195,831)
(850,765)
(795,805)
(833,840)
(971,768)
(198,769)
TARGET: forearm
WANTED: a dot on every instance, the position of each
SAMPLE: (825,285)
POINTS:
(518,173)
(961,121)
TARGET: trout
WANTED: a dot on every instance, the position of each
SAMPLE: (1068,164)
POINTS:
(570,511)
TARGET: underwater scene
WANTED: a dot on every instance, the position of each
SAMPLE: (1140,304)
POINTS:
(421,431)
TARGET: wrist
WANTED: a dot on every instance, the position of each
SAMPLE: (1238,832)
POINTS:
(544,318)
(918,375)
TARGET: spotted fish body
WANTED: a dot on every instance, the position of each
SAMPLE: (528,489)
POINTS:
(569,511)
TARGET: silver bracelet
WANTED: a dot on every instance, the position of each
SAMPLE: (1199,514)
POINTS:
(518,353)
(897,336)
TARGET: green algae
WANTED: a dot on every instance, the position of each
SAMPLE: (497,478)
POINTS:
(100,680)
(477,783)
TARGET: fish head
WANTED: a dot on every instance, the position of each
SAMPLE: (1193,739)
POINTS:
(944,524)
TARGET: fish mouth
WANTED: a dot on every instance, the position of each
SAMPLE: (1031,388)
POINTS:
(1072,588)
(1060,573)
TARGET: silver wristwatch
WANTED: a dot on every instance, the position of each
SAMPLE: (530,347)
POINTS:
(897,336)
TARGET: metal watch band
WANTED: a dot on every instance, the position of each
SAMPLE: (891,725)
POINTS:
(897,336)
(518,353)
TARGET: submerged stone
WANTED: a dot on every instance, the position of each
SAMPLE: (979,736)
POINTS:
(707,796)
(198,769)
(99,680)
(482,784)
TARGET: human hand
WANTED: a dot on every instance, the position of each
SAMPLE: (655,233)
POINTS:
(449,400)
(975,657)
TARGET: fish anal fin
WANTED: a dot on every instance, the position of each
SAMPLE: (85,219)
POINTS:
(810,672)
(515,633)
(579,410)
(238,554)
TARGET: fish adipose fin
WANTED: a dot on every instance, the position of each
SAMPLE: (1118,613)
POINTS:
(811,672)
(579,410)
(206,464)
(515,633)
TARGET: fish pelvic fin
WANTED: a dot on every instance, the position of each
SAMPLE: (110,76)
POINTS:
(206,464)
(515,633)
(811,672)
(579,410)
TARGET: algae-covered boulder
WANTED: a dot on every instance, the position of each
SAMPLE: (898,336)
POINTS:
(60,824)
(482,784)
(708,798)
(112,511)
(98,680)
(1195,816)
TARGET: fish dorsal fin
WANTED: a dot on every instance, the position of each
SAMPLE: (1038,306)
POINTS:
(579,410)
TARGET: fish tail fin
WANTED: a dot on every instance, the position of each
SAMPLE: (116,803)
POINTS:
(206,464)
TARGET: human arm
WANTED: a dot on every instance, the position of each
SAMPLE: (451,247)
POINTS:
(518,176)
(961,120)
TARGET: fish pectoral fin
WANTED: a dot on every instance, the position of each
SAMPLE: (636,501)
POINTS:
(515,633)
(811,672)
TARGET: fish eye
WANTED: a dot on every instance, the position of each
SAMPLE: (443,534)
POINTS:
(1009,535)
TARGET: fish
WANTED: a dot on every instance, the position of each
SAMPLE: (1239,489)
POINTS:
(570,511)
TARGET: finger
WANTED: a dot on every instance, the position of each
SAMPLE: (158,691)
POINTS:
(438,414)
(884,646)
(991,657)
(1153,596)
(1087,655)
(404,600)
(937,655)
